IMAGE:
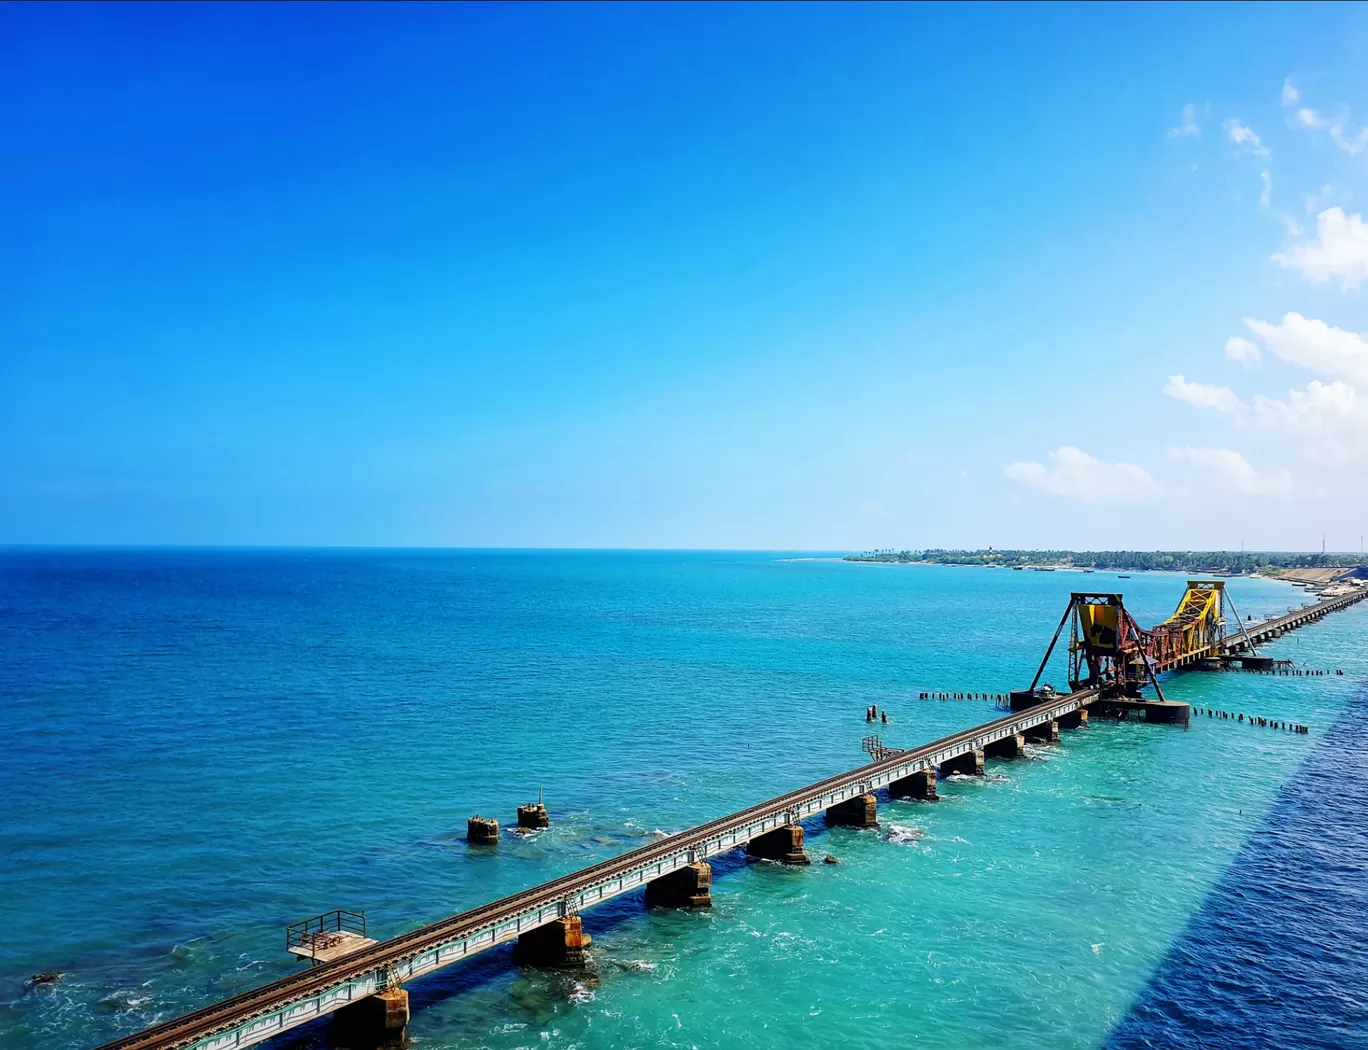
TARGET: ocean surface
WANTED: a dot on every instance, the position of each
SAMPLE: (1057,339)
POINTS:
(200,747)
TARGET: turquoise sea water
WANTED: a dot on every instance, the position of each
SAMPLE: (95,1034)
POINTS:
(201,747)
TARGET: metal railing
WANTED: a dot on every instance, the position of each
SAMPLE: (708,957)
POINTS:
(325,931)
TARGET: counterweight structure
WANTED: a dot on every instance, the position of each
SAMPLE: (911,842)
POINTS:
(1110,652)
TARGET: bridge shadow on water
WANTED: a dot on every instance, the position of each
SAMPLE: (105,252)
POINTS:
(1278,955)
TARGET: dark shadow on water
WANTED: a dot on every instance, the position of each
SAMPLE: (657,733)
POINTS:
(1278,955)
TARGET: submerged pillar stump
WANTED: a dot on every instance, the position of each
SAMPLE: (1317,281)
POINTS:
(1045,733)
(533,815)
(482,830)
(686,887)
(921,785)
(970,764)
(862,811)
(782,844)
(1074,719)
(376,1021)
(558,944)
(1013,746)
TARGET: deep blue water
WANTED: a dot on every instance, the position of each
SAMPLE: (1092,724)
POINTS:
(1278,956)
(203,746)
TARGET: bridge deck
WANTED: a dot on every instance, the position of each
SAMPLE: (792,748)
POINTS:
(1262,632)
(274,1008)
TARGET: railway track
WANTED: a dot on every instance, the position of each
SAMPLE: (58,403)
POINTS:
(201,1026)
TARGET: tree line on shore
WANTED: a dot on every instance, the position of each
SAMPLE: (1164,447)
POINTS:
(1172,561)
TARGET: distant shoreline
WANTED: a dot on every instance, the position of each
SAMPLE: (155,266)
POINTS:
(1308,568)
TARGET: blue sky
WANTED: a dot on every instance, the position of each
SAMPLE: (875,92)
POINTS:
(783,277)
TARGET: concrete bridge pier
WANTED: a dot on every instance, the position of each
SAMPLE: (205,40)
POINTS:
(686,887)
(378,1020)
(782,844)
(1168,713)
(559,944)
(1074,719)
(1045,733)
(862,811)
(921,785)
(1013,746)
(970,764)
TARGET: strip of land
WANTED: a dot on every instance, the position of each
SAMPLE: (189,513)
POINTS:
(1300,567)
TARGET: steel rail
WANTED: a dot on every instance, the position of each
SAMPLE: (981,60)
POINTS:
(209,1021)
(1295,619)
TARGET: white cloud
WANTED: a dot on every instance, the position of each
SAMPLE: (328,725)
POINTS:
(1312,201)
(1309,118)
(1339,250)
(1244,137)
(1290,225)
(1231,471)
(1315,345)
(1352,142)
(1328,418)
(1072,472)
(1221,398)
(1342,133)
(1189,127)
(1241,350)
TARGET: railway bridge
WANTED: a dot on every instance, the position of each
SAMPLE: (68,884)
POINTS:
(364,988)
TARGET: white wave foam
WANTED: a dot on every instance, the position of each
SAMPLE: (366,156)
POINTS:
(582,993)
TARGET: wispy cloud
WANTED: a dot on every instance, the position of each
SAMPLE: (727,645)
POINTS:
(1341,130)
(1342,133)
(1315,345)
(1245,138)
(1188,127)
(1232,472)
(1202,395)
(1290,225)
(1071,472)
(1329,420)
(1338,251)
(1241,350)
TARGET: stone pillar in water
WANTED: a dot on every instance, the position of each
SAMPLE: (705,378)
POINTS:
(686,887)
(920,785)
(782,844)
(970,764)
(1013,746)
(376,1021)
(862,811)
(560,944)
